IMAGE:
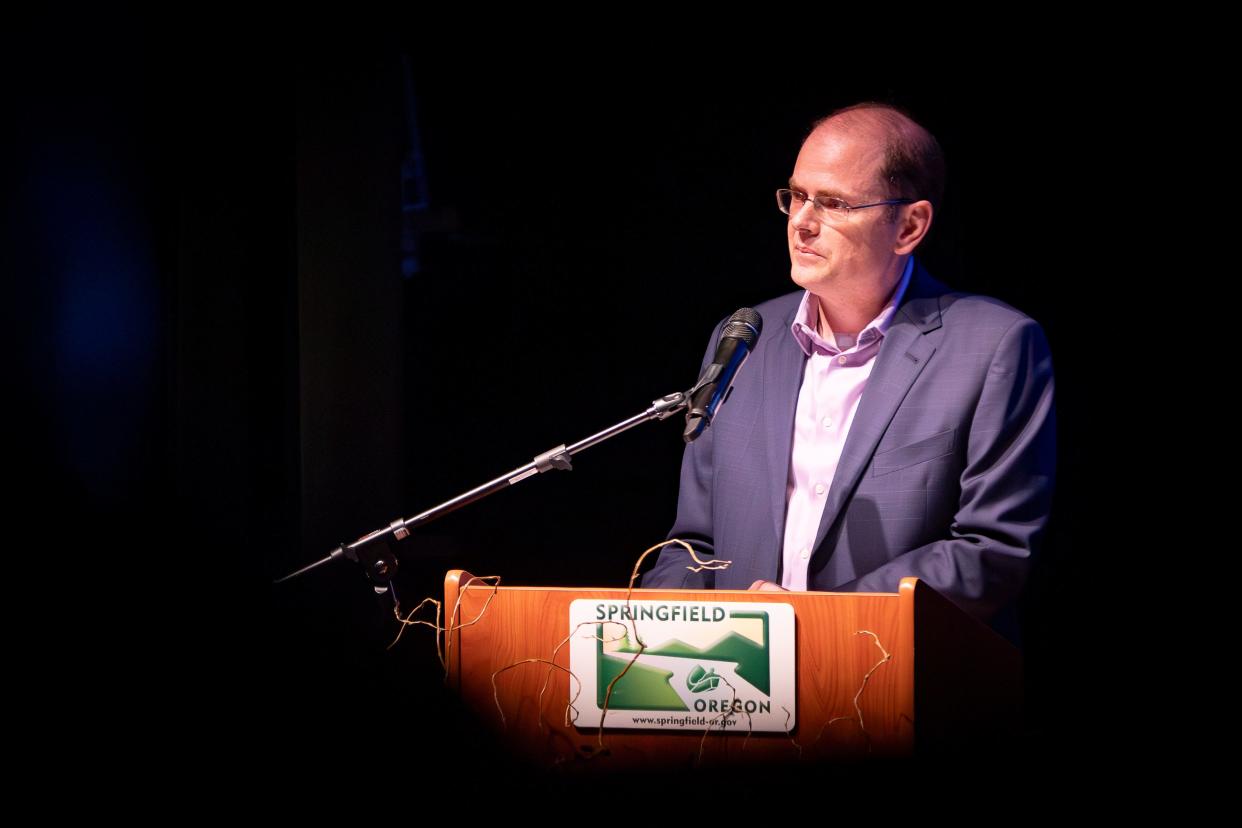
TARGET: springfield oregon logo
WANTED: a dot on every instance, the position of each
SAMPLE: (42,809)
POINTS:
(718,664)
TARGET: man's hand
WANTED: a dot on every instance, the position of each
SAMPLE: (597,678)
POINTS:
(766,586)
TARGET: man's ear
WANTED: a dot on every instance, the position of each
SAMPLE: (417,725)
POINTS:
(912,225)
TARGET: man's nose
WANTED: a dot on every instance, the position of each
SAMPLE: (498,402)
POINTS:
(801,216)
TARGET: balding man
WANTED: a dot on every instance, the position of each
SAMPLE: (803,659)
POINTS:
(885,426)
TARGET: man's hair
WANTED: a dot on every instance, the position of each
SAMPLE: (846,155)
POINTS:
(913,161)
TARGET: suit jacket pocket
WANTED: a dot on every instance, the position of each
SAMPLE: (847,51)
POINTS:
(929,448)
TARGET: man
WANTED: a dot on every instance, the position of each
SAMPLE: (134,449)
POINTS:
(884,426)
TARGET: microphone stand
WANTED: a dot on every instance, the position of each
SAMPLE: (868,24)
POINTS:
(380,564)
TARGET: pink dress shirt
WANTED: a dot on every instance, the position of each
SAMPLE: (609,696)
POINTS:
(836,373)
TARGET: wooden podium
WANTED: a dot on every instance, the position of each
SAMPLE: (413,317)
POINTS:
(879,675)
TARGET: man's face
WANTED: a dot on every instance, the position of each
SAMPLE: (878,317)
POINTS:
(855,254)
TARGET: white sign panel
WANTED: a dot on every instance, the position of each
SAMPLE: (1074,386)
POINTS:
(684,665)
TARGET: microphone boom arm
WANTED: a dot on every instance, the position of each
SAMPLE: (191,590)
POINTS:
(381,565)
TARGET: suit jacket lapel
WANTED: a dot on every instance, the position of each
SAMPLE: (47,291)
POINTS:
(903,354)
(783,367)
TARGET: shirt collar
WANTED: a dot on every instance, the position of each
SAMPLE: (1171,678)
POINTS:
(805,326)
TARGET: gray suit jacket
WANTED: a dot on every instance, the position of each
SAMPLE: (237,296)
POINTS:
(946,474)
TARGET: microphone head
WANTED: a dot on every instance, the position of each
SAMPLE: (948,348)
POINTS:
(745,325)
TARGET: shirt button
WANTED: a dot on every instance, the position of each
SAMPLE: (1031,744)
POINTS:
(804,554)
(842,360)
(827,422)
(819,488)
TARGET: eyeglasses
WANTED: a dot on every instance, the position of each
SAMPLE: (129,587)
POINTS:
(827,208)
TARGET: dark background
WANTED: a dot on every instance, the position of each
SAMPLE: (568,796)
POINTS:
(272,302)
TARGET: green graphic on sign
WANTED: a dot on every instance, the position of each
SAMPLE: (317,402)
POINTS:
(646,687)
(700,680)
(643,688)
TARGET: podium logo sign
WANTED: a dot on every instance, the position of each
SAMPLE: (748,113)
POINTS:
(704,664)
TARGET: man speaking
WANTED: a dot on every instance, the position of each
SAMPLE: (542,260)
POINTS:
(884,426)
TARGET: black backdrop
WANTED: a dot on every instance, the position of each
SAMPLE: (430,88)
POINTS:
(232,373)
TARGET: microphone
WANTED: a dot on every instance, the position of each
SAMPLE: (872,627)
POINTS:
(737,340)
